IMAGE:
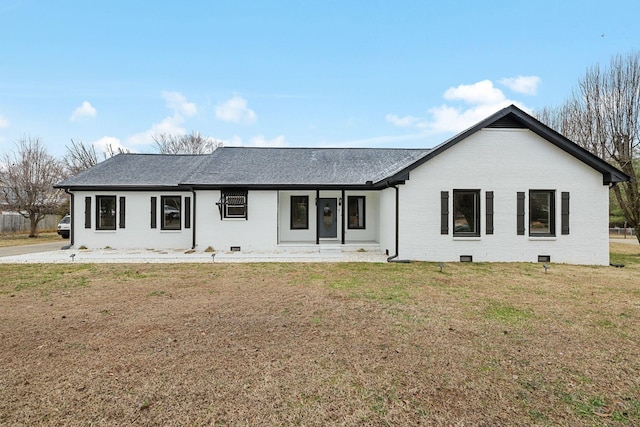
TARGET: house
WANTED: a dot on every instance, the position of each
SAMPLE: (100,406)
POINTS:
(507,189)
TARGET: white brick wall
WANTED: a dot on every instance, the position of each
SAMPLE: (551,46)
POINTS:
(137,233)
(505,161)
(257,233)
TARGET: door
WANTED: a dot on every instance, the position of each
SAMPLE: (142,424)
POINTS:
(328,217)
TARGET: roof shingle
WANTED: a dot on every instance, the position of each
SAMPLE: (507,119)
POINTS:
(248,166)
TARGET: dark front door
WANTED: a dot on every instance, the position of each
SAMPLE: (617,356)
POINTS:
(328,217)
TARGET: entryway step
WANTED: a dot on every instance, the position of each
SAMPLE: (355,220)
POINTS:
(330,249)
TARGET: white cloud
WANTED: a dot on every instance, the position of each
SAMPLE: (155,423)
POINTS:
(4,122)
(235,141)
(169,125)
(527,85)
(103,145)
(455,119)
(83,111)
(256,141)
(178,102)
(261,141)
(481,92)
(235,110)
(405,121)
(466,105)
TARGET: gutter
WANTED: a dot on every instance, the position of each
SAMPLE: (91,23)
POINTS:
(71,227)
(394,257)
(193,219)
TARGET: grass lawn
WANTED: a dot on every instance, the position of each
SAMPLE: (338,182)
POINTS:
(321,344)
(24,239)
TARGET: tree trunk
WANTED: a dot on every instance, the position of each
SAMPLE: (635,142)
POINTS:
(33,226)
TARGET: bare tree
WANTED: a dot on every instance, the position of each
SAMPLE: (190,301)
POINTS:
(603,116)
(113,151)
(27,176)
(80,157)
(193,143)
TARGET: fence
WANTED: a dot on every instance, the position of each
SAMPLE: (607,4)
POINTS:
(622,232)
(11,222)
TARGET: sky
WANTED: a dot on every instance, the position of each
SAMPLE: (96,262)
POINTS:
(314,73)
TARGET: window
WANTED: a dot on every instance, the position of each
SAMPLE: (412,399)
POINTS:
(171,212)
(356,212)
(105,212)
(233,204)
(299,212)
(466,212)
(542,213)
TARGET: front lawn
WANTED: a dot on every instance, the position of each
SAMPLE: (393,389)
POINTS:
(321,344)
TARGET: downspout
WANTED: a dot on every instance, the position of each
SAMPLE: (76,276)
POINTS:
(393,258)
(193,219)
(317,218)
(342,210)
(71,238)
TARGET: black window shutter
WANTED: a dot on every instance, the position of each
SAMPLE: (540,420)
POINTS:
(565,212)
(444,212)
(187,212)
(87,212)
(520,208)
(489,208)
(154,215)
(122,212)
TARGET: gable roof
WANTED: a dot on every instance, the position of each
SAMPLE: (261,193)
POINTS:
(513,117)
(371,168)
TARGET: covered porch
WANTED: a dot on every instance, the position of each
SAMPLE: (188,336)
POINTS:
(328,220)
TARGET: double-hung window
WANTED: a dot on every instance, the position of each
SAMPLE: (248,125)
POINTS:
(356,212)
(466,212)
(542,213)
(171,212)
(105,212)
(299,212)
(233,204)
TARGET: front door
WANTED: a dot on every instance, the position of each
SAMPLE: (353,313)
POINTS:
(328,217)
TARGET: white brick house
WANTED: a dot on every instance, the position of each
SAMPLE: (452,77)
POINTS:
(507,189)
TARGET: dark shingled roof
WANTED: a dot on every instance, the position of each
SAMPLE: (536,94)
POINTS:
(136,170)
(246,166)
(237,166)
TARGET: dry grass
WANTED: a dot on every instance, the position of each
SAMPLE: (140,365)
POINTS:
(321,344)
(19,239)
